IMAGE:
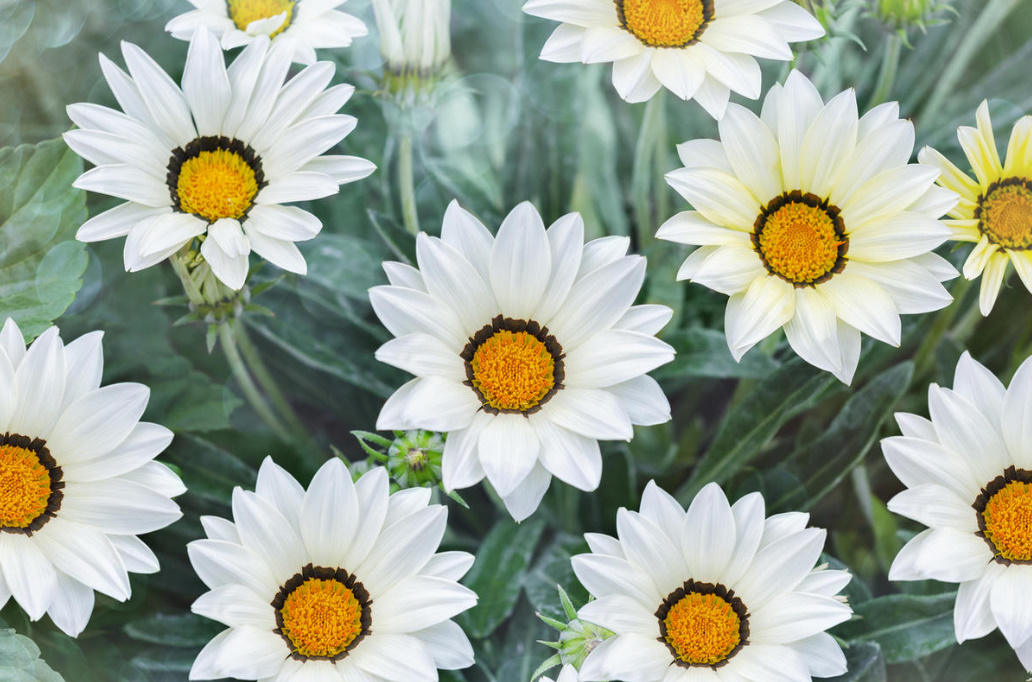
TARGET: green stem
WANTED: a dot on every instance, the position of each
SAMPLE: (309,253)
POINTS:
(889,68)
(257,366)
(982,30)
(924,359)
(650,136)
(227,340)
(406,184)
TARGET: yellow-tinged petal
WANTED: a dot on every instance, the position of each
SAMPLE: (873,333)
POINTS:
(1019,150)
(985,129)
(964,230)
(992,280)
(984,160)
(1022,261)
(951,177)
(979,258)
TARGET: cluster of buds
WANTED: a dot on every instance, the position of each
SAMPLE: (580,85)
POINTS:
(577,639)
(412,458)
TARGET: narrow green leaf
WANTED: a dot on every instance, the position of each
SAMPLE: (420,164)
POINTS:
(865,663)
(498,574)
(704,353)
(174,630)
(906,627)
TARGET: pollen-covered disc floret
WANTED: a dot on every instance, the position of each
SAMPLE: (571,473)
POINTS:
(694,591)
(77,478)
(995,208)
(812,220)
(339,582)
(968,473)
(208,167)
(697,49)
(527,350)
(307,25)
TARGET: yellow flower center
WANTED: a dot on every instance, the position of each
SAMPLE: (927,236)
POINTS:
(216,184)
(243,12)
(1005,516)
(513,365)
(30,484)
(1005,213)
(703,624)
(665,23)
(321,618)
(801,239)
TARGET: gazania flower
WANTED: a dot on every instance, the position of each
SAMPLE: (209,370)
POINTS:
(811,219)
(214,161)
(719,589)
(339,582)
(526,349)
(415,35)
(995,209)
(77,478)
(697,49)
(968,473)
(308,25)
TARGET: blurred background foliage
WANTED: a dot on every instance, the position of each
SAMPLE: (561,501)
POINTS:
(502,127)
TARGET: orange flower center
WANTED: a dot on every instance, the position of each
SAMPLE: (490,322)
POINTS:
(243,12)
(1005,516)
(665,23)
(1005,213)
(24,487)
(321,618)
(801,239)
(703,624)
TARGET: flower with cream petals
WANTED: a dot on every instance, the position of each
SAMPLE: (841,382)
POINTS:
(339,583)
(715,593)
(697,49)
(78,480)
(968,473)
(811,218)
(308,25)
(995,209)
(526,349)
(214,161)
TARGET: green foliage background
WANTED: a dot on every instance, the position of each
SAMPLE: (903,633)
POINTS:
(506,127)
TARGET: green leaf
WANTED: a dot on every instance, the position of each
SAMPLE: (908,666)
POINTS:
(864,662)
(498,574)
(41,264)
(821,463)
(704,353)
(752,423)
(20,661)
(553,569)
(208,470)
(906,627)
(174,630)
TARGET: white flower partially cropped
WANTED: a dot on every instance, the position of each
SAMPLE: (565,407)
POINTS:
(995,209)
(77,478)
(214,161)
(526,350)
(968,472)
(697,49)
(339,583)
(415,35)
(308,25)
(812,219)
(717,593)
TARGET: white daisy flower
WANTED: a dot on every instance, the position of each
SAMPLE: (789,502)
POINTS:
(995,209)
(697,49)
(968,472)
(339,583)
(308,25)
(717,593)
(526,350)
(77,478)
(215,160)
(811,218)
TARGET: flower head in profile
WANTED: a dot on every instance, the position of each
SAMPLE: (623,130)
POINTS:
(526,348)
(308,25)
(215,161)
(78,480)
(995,209)
(415,35)
(811,218)
(341,582)
(968,473)
(717,592)
(697,49)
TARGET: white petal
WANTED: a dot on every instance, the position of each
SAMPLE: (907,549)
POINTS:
(569,456)
(594,413)
(508,450)
(521,262)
